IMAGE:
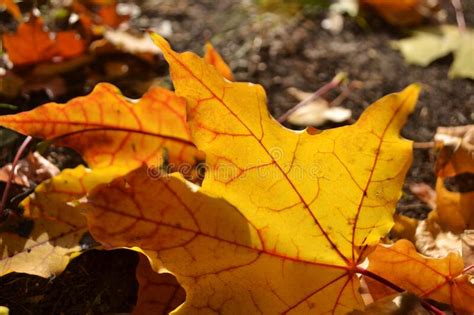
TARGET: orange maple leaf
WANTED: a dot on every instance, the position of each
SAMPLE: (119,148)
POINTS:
(309,206)
(107,129)
(115,135)
(442,279)
(32,44)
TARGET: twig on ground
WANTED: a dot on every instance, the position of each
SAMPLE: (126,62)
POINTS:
(18,155)
(338,79)
(459,15)
(424,145)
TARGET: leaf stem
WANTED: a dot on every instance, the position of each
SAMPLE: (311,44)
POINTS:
(18,155)
(429,307)
(338,79)
(459,15)
(423,145)
(468,268)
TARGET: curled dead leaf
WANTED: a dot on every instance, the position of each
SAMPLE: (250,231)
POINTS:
(454,210)
(457,153)
(34,168)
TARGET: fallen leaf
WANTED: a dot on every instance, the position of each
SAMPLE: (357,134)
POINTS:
(425,45)
(454,210)
(457,153)
(431,240)
(34,168)
(425,193)
(442,280)
(107,129)
(317,112)
(158,293)
(109,16)
(97,16)
(12,8)
(404,227)
(49,235)
(467,239)
(403,12)
(128,43)
(463,64)
(309,206)
(212,57)
(32,44)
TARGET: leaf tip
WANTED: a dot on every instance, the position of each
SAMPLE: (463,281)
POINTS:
(411,93)
(159,41)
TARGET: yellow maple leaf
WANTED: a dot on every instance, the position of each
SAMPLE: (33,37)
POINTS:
(309,205)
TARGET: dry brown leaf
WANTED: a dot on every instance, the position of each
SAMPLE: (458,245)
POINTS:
(33,168)
(467,239)
(432,241)
(317,112)
(425,193)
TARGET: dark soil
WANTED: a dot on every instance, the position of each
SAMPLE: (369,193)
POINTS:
(278,52)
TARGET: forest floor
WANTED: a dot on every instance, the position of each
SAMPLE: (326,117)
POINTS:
(278,51)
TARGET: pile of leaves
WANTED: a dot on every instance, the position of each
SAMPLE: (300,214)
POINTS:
(231,211)
(60,51)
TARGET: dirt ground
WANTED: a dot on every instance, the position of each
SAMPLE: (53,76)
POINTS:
(277,51)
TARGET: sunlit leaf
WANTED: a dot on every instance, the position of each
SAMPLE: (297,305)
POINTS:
(442,280)
(309,205)
(108,129)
